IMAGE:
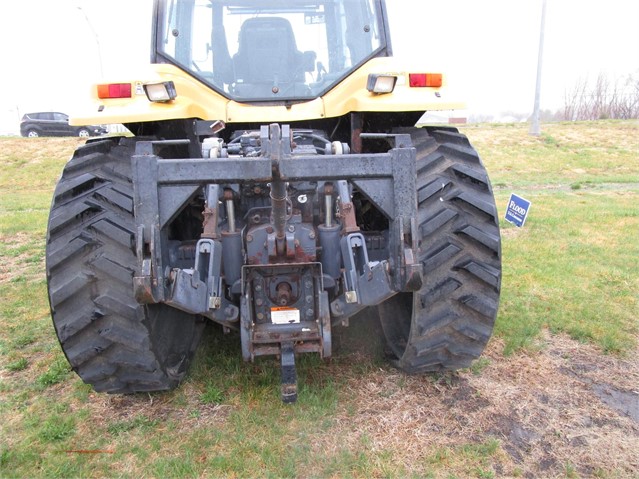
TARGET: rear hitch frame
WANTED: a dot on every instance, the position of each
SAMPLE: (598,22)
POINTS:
(163,186)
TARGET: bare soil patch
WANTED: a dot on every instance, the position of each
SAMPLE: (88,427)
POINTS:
(565,407)
(561,409)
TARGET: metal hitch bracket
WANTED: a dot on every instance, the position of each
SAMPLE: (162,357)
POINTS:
(289,374)
(367,283)
(199,290)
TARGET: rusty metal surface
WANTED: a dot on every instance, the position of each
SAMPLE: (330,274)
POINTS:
(211,212)
(347,216)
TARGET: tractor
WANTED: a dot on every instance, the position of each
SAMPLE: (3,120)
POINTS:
(273,181)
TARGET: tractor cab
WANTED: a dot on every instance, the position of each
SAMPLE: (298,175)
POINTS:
(251,50)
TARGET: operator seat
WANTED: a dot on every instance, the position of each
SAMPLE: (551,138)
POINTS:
(267,52)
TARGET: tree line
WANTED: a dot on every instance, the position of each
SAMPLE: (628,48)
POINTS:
(602,99)
(588,99)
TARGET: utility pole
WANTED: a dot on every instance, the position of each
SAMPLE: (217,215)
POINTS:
(535,128)
(97,40)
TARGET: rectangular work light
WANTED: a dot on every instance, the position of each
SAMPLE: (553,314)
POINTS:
(160,92)
(378,83)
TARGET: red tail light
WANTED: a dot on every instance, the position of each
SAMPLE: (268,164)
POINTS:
(418,80)
(114,90)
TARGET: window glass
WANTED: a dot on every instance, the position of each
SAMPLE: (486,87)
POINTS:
(277,50)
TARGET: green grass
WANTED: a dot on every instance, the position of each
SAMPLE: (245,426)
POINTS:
(473,459)
(573,268)
(54,374)
(18,365)
(601,153)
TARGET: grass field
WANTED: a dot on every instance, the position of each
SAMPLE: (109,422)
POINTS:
(555,394)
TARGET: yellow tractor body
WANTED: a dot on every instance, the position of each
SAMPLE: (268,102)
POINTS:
(274,183)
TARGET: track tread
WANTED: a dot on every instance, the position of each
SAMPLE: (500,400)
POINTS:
(435,223)
(111,341)
(76,321)
(482,272)
(109,229)
(61,291)
(433,189)
(466,173)
(116,198)
(443,290)
(440,255)
(454,312)
(112,269)
(70,215)
(64,250)
(490,241)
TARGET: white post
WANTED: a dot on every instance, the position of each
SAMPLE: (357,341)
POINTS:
(535,128)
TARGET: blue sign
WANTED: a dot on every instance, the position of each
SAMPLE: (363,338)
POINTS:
(517,210)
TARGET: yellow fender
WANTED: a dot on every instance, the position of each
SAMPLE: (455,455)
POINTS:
(196,100)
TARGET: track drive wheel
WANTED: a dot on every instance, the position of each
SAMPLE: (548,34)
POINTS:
(447,323)
(111,341)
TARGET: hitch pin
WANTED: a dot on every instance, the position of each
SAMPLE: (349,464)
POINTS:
(230,209)
(328,205)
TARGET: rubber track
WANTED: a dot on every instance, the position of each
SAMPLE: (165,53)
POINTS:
(447,324)
(111,341)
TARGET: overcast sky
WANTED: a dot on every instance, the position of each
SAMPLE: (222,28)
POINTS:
(52,50)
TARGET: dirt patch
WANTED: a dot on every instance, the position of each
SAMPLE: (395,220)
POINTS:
(129,419)
(614,381)
(566,407)
(564,410)
(107,409)
(17,264)
(626,402)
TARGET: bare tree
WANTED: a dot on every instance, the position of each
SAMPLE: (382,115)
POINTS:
(603,98)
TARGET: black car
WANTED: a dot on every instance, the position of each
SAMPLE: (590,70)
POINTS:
(51,123)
